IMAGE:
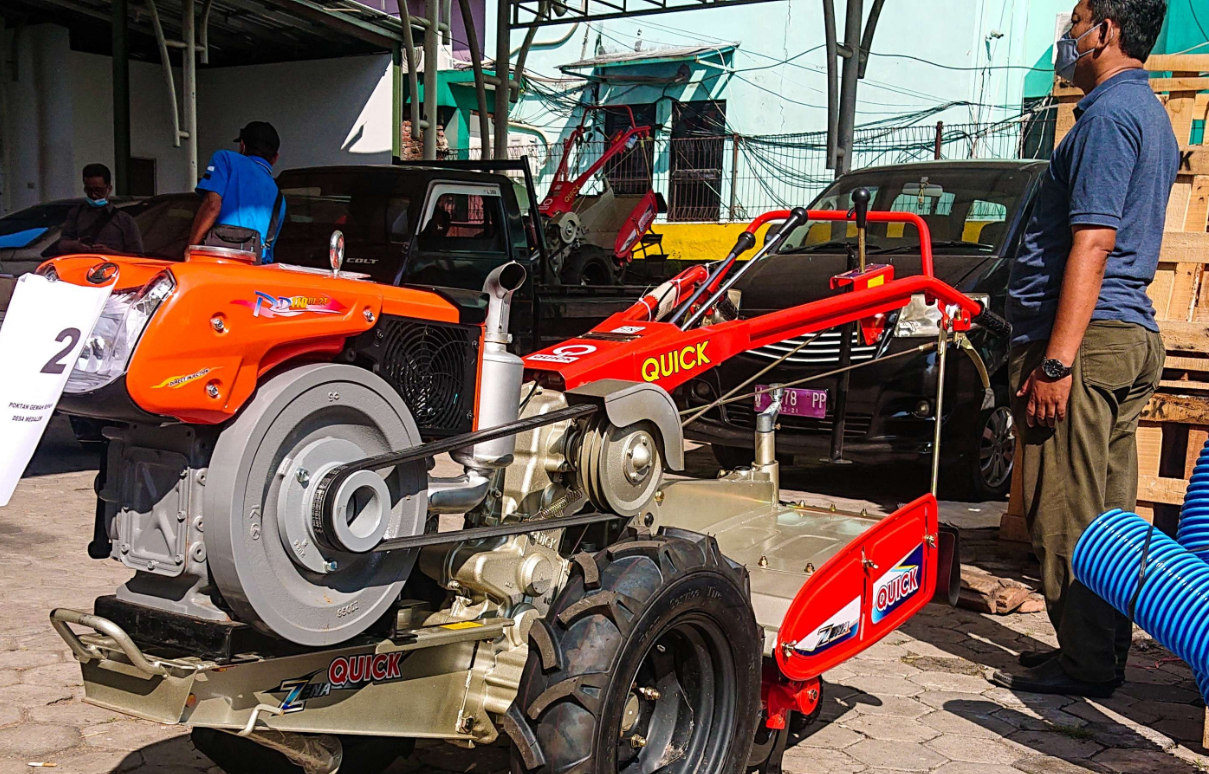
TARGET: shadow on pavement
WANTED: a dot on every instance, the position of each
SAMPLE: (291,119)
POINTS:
(60,452)
(1133,731)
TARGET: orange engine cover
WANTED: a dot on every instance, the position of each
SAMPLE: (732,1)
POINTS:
(226,324)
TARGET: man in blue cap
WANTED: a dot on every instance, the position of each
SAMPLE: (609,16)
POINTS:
(242,207)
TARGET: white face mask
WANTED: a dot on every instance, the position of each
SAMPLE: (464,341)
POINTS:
(1067,50)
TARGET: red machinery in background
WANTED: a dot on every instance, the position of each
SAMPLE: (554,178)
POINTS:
(595,234)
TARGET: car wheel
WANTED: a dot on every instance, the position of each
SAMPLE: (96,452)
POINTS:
(984,469)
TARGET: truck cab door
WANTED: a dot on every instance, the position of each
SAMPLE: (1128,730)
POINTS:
(461,236)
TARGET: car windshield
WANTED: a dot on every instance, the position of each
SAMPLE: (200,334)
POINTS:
(20,228)
(967,209)
(164,222)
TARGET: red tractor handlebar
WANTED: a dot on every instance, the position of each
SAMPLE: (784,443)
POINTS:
(875,216)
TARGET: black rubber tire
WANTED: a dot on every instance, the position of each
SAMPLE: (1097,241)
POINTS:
(236,755)
(731,457)
(652,609)
(974,475)
(589,265)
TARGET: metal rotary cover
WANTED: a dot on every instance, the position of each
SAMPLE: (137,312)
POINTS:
(300,424)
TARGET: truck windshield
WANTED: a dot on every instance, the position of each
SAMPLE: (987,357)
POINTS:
(967,209)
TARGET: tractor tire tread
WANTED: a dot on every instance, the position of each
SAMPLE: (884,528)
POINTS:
(611,614)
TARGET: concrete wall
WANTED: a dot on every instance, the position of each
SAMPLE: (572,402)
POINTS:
(59,117)
(330,111)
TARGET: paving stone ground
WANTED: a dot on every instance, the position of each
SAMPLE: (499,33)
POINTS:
(916,702)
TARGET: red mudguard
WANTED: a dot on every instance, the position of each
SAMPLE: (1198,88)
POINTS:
(863,593)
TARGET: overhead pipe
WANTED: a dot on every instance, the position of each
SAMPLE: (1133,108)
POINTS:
(503,30)
(409,44)
(204,30)
(166,63)
(480,89)
(189,68)
(430,78)
(833,85)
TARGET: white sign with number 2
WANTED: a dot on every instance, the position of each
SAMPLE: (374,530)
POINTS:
(44,330)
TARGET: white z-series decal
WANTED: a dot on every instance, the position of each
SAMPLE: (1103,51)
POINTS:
(840,627)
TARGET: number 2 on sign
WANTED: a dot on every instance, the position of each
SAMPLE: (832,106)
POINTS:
(71,336)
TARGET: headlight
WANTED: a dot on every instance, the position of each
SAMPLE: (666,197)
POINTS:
(107,350)
(921,320)
(48,271)
(918,319)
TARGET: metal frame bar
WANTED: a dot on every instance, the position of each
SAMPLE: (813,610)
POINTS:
(620,11)
(350,25)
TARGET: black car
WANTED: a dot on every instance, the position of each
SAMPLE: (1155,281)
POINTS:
(31,235)
(976,212)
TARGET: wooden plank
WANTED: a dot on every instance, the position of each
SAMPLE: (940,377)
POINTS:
(1156,489)
(1185,281)
(1160,291)
(1178,62)
(1180,336)
(1145,511)
(1196,441)
(1197,217)
(1166,407)
(1177,204)
(1184,247)
(1179,84)
(1150,448)
(1184,385)
(1194,159)
(1180,108)
(1187,363)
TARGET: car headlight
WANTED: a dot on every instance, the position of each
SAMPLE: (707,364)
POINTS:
(918,319)
(921,320)
(107,350)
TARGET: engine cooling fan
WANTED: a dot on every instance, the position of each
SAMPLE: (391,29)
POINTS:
(432,368)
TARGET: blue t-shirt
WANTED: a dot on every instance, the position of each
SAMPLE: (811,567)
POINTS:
(1115,168)
(248,191)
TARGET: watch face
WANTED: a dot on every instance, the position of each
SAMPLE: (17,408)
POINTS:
(1054,369)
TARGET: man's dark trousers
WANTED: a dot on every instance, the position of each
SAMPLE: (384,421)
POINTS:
(1075,471)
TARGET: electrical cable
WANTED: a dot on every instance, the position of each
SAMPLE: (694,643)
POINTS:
(954,67)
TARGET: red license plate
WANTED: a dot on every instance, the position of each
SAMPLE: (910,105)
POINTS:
(796,402)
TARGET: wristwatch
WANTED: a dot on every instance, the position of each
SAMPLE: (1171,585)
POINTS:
(1055,369)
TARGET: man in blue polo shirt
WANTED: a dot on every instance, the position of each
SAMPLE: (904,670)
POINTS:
(1086,353)
(242,207)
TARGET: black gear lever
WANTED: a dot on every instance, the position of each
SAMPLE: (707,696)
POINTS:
(860,205)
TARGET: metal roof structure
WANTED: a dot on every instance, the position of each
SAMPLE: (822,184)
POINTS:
(653,56)
(237,31)
(536,13)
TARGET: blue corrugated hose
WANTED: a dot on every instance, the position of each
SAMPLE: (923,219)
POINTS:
(1194,516)
(1152,579)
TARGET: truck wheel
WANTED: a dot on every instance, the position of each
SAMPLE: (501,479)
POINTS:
(237,755)
(983,471)
(589,266)
(649,659)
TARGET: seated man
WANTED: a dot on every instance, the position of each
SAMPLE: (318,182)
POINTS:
(96,226)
